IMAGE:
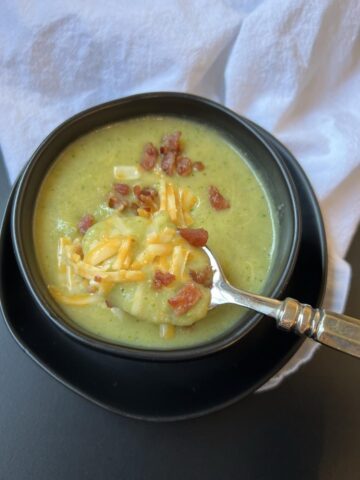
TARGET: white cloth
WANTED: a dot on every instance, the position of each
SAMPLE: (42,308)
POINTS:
(293,66)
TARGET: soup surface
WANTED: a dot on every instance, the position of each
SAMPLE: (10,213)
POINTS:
(120,219)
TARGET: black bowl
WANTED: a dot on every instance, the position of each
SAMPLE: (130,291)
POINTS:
(260,155)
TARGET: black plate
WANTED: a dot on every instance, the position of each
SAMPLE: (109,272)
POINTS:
(161,391)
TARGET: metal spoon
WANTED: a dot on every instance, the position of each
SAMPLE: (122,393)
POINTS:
(332,329)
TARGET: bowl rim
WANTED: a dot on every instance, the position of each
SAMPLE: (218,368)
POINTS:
(133,352)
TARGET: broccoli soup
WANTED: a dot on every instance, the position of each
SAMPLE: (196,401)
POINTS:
(120,222)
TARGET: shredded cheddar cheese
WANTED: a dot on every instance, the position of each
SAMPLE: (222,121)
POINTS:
(179,259)
(120,258)
(90,272)
(138,300)
(162,195)
(103,251)
(150,253)
(63,242)
(143,213)
(166,236)
(178,202)
(123,256)
(188,199)
(166,330)
(69,278)
(77,299)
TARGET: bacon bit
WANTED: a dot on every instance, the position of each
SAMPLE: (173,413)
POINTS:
(85,223)
(134,207)
(97,278)
(149,192)
(147,197)
(168,163)
(198,166)
(122,188)
(185,298)
(116,198)
(117,201)
(78,251)
(149,157)
(195,236)
(112,201)
(92,289)
(171,143)
(137,190)
(218,202)
(162,279)
(108,303)
(183,166)
(203,277)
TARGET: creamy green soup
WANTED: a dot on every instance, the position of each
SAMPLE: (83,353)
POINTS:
(241,236)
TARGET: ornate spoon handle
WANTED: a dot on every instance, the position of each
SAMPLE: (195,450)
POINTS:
(332,329)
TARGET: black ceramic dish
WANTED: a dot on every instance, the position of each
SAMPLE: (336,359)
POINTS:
(173,391)
(265,161)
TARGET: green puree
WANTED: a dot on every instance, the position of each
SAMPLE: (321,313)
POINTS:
(241,237)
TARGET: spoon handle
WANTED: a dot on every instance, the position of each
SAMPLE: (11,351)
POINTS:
(335,330)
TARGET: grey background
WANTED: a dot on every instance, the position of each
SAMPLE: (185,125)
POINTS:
(308,428)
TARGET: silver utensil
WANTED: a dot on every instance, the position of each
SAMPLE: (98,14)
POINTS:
(333,329)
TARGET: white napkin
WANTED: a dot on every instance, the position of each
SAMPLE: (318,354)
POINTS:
(293,66)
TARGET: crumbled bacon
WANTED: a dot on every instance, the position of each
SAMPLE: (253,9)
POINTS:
(98,279)
(137,190)
(116,198)
(122,188)
(149,192)
(134,207)
(162,279)
(203,277)
(147,197)
(78,250)
(149,157)
(195,236)
(183,166)
(185,298)
(217,201)
(168,163)
(171,143)
(117,201)
(108,303)
(85,223)
(198,166)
